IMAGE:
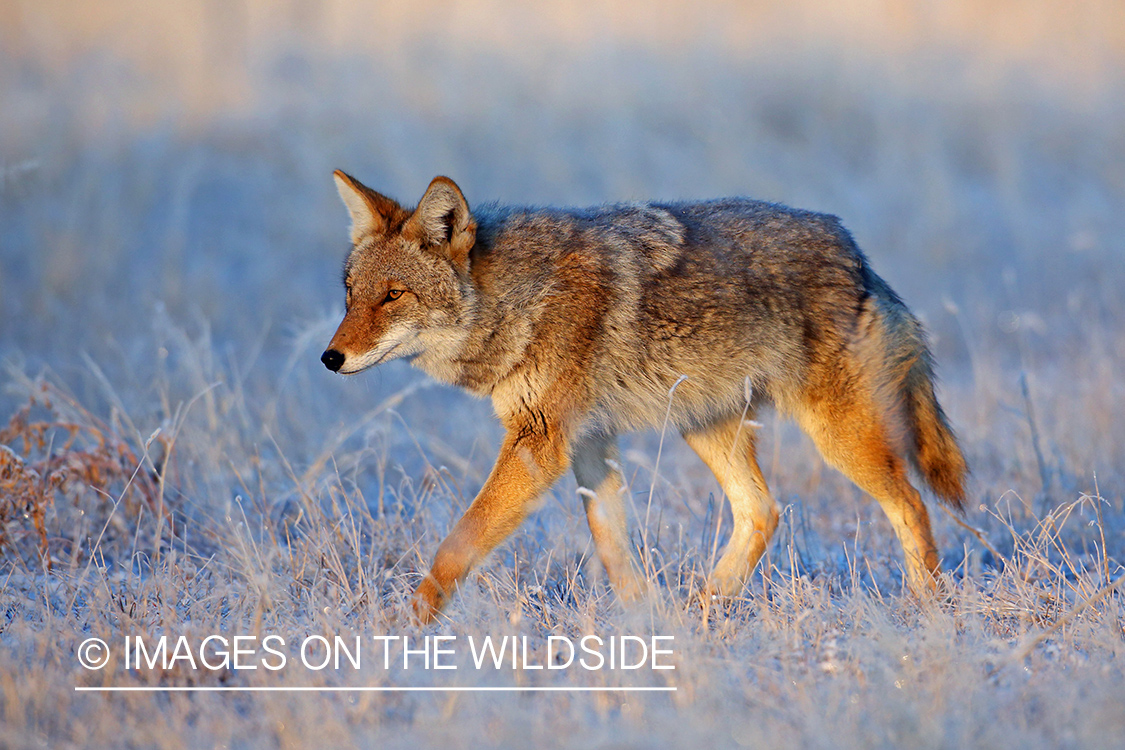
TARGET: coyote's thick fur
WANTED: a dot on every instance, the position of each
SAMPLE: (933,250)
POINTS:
(578,322)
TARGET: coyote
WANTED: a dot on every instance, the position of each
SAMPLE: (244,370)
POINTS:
(579,323)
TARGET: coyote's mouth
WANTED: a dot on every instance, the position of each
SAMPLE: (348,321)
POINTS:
(367,361)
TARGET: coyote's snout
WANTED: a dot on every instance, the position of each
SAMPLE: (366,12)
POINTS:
(578,322)
(332,359)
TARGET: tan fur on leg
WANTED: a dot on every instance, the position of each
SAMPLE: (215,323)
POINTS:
(728,451)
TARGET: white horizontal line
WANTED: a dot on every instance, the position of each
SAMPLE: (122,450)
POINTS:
(365,689)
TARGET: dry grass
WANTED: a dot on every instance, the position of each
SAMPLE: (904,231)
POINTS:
(73,456)
(176,461)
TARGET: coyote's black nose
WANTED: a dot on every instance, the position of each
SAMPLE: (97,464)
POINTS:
(333,360)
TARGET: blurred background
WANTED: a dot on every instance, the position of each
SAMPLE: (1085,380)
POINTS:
(168,220)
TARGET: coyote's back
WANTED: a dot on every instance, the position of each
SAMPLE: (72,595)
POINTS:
(578,323)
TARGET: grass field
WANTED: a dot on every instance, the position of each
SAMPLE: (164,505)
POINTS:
(174,459)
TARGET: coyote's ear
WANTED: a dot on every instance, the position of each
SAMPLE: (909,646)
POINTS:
(442,219)
(370,211)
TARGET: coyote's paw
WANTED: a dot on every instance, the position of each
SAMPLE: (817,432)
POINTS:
(428,599)
(630,587)
(723,586)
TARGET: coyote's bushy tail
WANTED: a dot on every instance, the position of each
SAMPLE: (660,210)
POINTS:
(936,456)
(932,447)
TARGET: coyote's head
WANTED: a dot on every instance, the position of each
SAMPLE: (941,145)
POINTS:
(406,279)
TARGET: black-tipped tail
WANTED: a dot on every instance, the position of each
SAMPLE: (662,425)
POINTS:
(937,456)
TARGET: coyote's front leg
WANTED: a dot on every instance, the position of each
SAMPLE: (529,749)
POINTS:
(532,457)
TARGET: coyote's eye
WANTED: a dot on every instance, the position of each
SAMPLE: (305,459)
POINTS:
(393,295)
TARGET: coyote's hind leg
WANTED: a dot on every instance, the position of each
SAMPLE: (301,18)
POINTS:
(728,450)
(850,434)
